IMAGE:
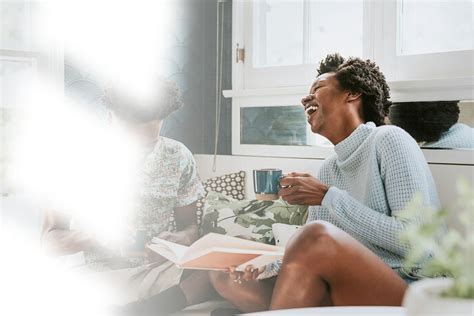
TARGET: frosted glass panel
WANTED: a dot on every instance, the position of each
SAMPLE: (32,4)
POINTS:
(273,125)
(335,26)
(278,30)
(435,26)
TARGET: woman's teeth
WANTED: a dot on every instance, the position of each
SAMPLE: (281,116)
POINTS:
(310,110)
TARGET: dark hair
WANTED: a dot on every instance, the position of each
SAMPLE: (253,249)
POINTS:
(424,121)
(165,100)
(361,76)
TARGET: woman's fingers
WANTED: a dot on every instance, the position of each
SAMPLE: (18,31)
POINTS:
(288,181)
(235,275)
(285,192)
(299,174)
(293,178)
(250,273)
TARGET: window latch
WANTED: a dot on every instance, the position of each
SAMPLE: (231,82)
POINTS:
(239,54)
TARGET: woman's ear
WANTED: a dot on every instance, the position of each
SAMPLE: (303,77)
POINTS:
(353,96)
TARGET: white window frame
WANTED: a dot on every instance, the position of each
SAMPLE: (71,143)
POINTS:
(272,150)
(276,76)
(422,77)
(285,85)
(433,76)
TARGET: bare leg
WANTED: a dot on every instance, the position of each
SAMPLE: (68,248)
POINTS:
(197,287)
(248,296)
(321,260)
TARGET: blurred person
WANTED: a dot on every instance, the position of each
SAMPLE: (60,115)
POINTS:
(168,189)
(433,124)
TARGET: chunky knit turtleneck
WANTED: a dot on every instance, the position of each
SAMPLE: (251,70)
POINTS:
(376,171)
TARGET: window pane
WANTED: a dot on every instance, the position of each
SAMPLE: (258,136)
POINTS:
(278,29)
(335,26)
(273,125)
(435,26)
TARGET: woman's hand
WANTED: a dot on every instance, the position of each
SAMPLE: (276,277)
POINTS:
(249,274)
(302,189)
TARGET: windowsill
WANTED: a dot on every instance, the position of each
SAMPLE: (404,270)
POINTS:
(403,90)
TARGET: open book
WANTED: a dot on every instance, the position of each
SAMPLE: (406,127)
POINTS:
(217,252)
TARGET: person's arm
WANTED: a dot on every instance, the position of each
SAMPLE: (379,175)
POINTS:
(190,189)
(58,239)
(186,224)
(404,173)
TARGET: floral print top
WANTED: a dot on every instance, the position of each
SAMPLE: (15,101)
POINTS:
(169,179)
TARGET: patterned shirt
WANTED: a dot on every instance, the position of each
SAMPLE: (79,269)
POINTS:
(169,179)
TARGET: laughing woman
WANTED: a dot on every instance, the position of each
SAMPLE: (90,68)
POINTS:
(348,253)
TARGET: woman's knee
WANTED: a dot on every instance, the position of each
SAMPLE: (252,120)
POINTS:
(314,238)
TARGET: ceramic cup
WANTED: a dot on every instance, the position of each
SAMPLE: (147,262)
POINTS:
(266,183)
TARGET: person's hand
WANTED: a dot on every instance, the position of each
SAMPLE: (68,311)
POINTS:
(153,257)
(184,237)
(250,273)
(302,189)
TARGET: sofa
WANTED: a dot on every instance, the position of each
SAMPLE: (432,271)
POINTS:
(445,175)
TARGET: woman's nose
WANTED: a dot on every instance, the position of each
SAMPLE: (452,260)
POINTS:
(307,99)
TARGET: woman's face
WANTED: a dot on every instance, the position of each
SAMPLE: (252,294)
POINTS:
(325,103)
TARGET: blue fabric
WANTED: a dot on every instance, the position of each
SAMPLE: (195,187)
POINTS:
(458,136)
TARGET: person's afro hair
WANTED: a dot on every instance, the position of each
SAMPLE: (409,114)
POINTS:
(425,121)
(361,76)
(164,99)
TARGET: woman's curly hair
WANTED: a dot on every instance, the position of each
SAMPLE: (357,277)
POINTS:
(165,100)
(425,121)
(361,76)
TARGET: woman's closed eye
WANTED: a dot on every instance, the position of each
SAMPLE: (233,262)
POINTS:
(315,89)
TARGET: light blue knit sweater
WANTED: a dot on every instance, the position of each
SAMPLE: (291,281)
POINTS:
(457,136)
(375,172)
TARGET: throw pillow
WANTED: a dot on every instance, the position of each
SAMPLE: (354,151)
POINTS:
(283,232)
(253,218)
(232,185)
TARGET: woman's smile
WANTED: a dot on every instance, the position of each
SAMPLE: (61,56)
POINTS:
(310,110)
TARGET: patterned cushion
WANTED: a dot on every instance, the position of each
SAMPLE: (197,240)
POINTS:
(283,232)
(232,185)
(254,218)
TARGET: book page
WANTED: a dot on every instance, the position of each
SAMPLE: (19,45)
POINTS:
(170,250)
(218,261)
(223,241)
(217,252)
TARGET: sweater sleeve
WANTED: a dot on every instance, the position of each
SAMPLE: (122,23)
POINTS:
(404,173)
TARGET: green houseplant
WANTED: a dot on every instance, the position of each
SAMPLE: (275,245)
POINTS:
(448,256)
(251,218)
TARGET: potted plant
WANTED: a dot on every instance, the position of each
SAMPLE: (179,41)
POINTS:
(447,255)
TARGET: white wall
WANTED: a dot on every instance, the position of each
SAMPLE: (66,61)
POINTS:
(229,164)
(445,175)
